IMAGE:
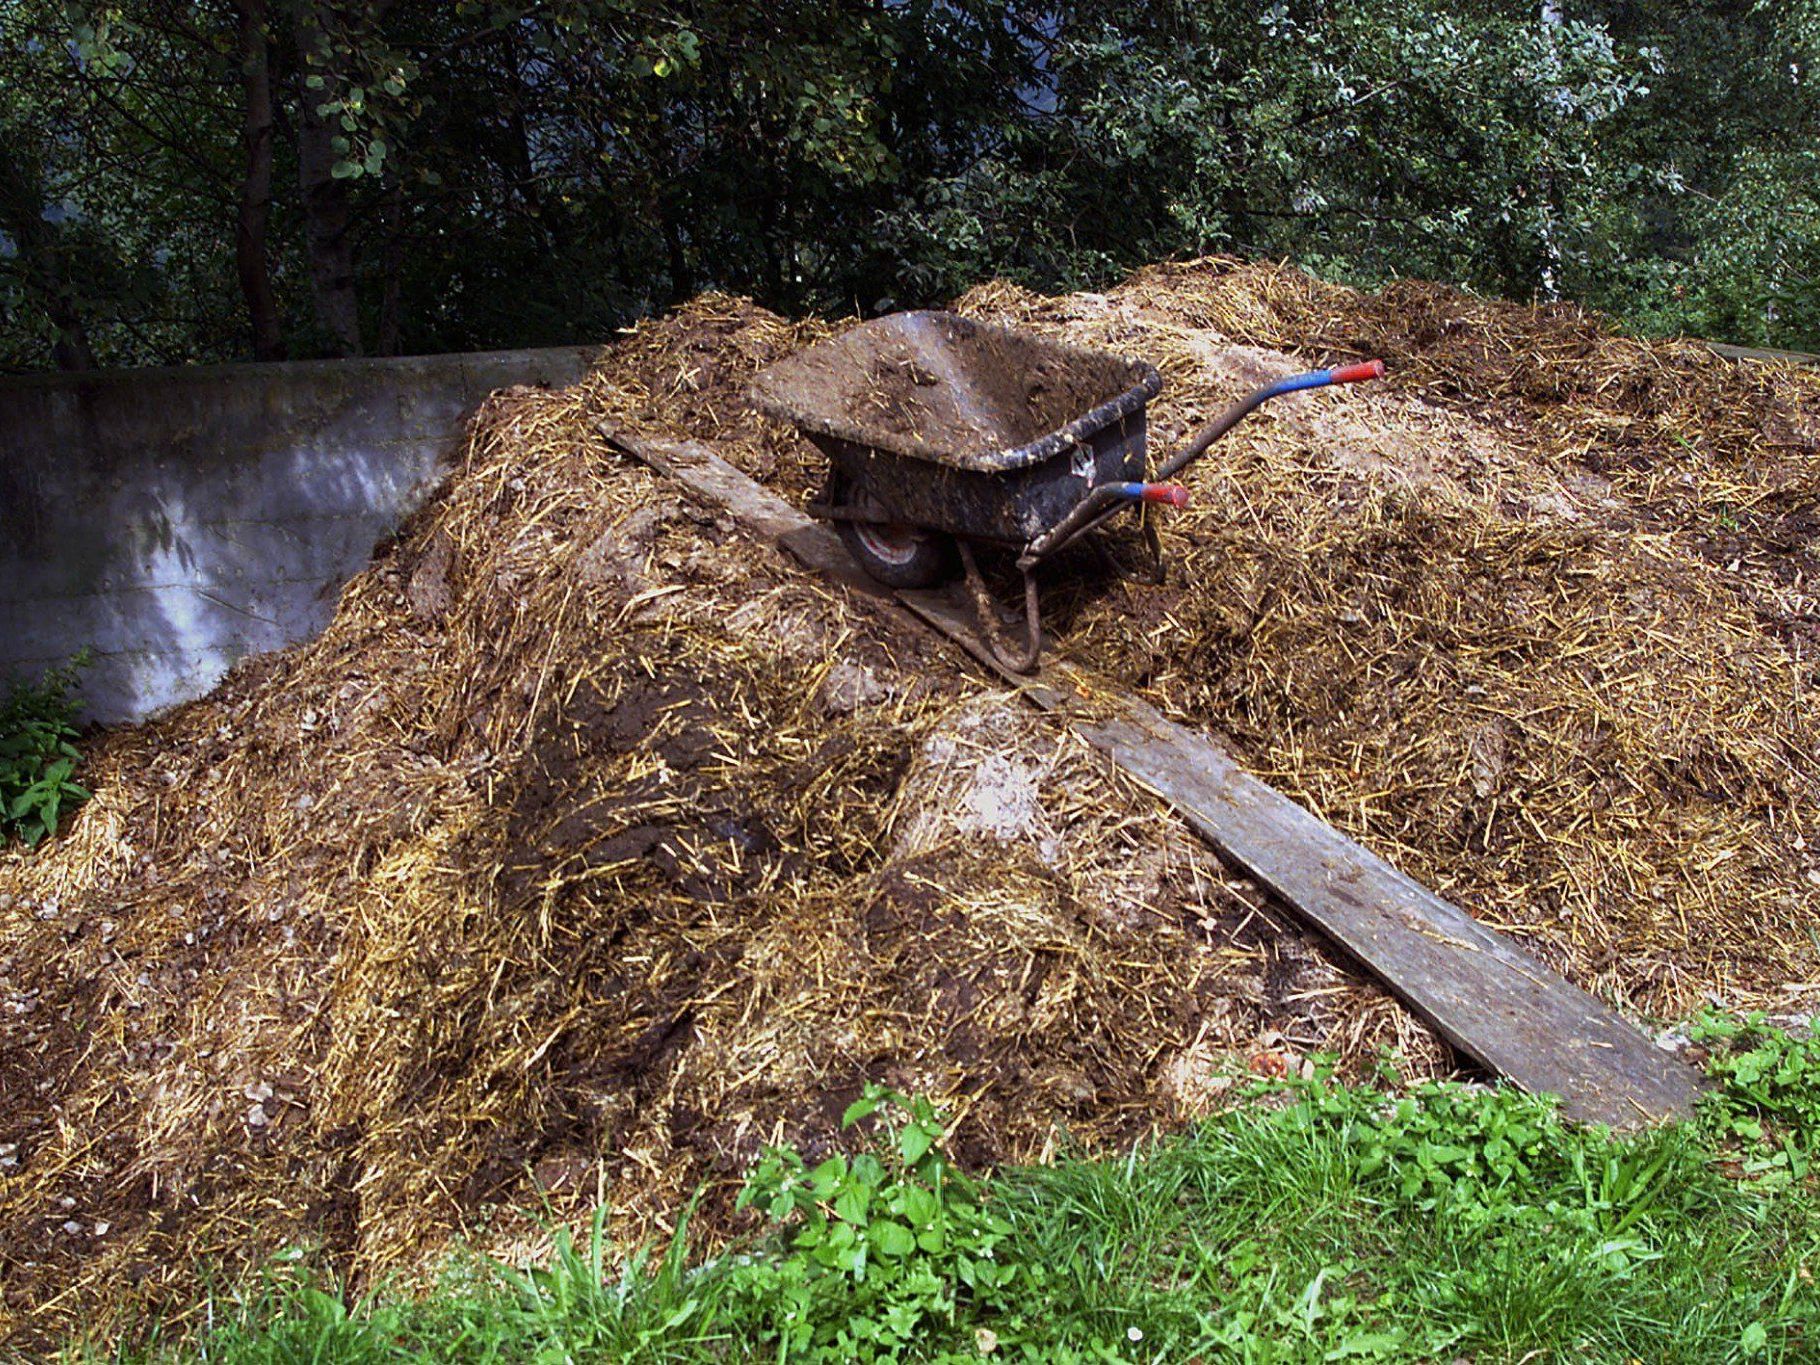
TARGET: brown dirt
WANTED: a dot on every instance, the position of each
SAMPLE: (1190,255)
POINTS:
(594,845)
(943,387)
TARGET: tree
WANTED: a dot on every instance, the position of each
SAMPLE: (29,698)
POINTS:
(251,257)
(45,264)
(225,177)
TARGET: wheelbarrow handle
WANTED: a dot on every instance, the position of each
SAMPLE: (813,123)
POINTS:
(1239,411)
(1352,374)
(1103,501)
(1169,494)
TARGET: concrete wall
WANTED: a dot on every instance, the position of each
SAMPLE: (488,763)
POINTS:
(173,521)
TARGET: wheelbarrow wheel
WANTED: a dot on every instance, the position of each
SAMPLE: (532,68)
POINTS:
(897,555)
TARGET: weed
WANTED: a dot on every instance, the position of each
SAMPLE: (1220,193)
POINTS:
(1766,1111)
(891,1248)
(38,755)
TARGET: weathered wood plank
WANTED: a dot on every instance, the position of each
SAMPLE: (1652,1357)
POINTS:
(1482,992)
(1731,352)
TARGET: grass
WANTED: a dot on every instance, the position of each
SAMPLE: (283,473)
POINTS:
(1318,1223)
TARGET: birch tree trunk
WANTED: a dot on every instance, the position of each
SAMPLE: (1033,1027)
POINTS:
(1550,285)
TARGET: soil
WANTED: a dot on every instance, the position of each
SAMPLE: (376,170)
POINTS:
(943,387)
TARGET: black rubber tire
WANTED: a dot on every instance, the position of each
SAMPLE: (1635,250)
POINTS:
(896,555)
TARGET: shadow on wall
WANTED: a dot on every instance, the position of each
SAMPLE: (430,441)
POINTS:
(175,521)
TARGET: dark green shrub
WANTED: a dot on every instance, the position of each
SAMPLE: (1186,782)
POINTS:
(38,755)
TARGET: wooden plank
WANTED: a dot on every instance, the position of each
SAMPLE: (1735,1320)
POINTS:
(1758,353)
(1482,992)
(701,468)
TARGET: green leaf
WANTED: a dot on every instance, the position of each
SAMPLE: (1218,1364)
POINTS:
(864,1107)
(1371,1345)
(891,1239)
(852,1203)
(913,1142)
(920,1206)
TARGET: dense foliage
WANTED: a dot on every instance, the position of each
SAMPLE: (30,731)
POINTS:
(1323,1223)
(196,179)
(38,756)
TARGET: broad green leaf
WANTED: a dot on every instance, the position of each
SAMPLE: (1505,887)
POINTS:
(913,1142)
(890,1238)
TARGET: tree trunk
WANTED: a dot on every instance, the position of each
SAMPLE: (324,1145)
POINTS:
(256,186)
(328,242)
(46,268)
(682,278)
(518,150)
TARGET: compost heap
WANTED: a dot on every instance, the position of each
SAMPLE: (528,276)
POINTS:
(594,845)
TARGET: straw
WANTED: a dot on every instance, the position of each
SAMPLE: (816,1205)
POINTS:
(594,846)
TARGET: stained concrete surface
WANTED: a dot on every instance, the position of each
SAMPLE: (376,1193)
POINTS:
(173,521)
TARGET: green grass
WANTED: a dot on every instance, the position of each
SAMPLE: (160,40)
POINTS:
(1325,1223)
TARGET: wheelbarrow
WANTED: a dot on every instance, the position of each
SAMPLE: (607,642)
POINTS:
(943,433)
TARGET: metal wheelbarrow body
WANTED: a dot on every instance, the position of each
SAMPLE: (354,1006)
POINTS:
(942,432)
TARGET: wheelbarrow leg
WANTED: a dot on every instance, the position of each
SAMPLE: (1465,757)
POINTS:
(1159,567)
(986,610)
(1154,570)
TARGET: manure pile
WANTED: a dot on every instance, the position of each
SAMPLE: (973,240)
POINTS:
(594,846)
(1535,618)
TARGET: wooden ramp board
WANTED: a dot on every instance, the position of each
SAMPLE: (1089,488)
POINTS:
(1758,353)
(1482,992)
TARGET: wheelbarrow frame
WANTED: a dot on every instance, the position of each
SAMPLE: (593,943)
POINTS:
(1038,497)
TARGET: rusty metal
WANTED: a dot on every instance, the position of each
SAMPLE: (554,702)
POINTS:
(963,426)
(827,511)
(950,391)
(986,611)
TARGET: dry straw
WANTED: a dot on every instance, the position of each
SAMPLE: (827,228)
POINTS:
(1533,618)
(594,846)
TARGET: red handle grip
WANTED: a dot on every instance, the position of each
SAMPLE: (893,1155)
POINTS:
(1352,374)
(1172,494)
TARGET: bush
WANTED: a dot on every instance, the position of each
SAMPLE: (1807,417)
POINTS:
(38,755)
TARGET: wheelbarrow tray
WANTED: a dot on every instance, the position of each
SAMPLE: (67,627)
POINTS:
(966,427)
